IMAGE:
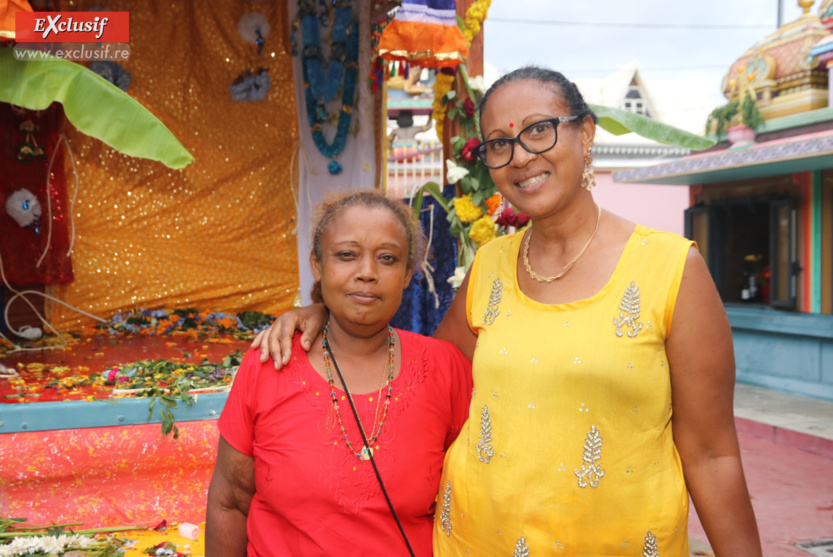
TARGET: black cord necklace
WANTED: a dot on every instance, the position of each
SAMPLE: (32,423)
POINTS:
(366,444)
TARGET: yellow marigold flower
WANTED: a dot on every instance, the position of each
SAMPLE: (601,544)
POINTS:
(492,204)
(483,230)
(475,16)
(442,85)
(466,210)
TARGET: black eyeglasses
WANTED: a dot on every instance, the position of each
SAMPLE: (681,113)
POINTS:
(536,138)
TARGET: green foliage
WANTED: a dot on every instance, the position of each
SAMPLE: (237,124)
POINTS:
(254,319)
(720,118)
(619,122)
(92,104)
(724,117)
(435,191)
(169,383)
(752,116)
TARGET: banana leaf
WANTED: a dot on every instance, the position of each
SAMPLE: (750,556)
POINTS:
(436,192)
(620,122)
(92,104)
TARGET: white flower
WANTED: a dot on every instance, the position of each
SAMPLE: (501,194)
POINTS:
(478,84)
(44,544)
(457,278)
(453,172)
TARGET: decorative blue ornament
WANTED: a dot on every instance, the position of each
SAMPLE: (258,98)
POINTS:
(112,72)
(320,86)
(259,42)
(251,86)
(334,167)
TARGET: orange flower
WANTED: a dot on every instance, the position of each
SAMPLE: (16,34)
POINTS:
(492,204)
(228,322)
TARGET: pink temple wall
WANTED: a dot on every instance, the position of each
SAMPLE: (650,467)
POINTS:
(660,207)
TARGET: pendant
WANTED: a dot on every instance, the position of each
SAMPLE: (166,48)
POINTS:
(366,453)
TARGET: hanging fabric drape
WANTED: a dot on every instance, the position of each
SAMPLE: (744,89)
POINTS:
(425,33)
(426,300)
(34,215)
(217,234)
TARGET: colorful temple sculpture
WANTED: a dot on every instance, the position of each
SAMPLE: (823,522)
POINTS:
(788,77)
(761,210)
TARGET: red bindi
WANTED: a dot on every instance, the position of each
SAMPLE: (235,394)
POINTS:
(511,125)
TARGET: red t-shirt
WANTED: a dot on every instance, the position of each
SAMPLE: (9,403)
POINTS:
(313,496)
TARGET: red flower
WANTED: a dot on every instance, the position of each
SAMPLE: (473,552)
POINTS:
(511,217)
(468,106)
(521,220)
(468,149)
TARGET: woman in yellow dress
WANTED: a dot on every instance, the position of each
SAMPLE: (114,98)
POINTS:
(602,361)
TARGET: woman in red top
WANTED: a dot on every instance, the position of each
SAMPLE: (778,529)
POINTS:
(293,474)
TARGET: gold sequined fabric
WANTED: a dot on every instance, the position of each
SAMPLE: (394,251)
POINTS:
(218,234)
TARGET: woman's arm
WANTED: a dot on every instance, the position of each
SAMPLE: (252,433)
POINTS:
(454,327)
(702,363)
(229,496)
(276,341)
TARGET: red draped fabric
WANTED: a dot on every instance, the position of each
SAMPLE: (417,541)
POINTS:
(23,135)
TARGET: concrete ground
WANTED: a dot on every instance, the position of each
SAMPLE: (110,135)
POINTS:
(787,450)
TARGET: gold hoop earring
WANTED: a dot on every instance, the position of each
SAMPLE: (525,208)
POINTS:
(588,177)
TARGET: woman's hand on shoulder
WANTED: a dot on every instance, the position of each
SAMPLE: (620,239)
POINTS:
(276,341)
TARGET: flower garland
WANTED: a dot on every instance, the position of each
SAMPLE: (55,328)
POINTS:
(475,16)
(442,85)
(475,215)
(321,87)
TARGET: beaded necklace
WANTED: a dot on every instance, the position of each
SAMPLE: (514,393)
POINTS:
(367,450)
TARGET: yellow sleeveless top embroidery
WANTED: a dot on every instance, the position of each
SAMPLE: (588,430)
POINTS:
(568,449)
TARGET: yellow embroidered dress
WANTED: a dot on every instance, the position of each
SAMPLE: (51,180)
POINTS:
(568,449)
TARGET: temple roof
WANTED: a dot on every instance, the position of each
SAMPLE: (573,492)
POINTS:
(783,60)
(667,102)
(826,10)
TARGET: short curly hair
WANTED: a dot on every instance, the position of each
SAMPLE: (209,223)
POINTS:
(330,208)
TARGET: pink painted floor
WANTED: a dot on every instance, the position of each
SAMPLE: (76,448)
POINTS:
(792,493)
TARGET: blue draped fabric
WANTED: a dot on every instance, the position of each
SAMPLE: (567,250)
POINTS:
(418,313)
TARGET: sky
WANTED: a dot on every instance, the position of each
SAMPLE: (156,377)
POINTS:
(694,59)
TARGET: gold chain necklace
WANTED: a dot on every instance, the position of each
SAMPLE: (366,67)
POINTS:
(569,265)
